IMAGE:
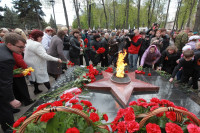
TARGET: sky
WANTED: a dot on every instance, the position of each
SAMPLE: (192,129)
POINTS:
(59,12)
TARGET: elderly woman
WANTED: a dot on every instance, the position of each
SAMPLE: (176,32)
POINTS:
(36,57)
(56,50)
(20,87)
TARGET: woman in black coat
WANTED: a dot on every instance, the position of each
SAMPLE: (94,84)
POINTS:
(168,59)
(94,46)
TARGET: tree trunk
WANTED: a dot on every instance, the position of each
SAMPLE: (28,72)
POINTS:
(154,3)
(127,13)
(177,14)
(197,19)
(38,19)
(66,16)
(185,13)
(157,10)
(149,13)
(190,13)
(167,13)
(76,6)
(105,14)
(138,15)
(114,13)
(87,4)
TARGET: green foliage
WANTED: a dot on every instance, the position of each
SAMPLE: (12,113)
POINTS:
(98,18)
(30,12)
(10,19)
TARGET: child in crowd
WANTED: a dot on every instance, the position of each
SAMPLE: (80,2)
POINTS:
(150,56)
(168,59)
(187,63)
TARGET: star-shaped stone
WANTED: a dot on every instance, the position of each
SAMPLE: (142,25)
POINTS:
(122,92)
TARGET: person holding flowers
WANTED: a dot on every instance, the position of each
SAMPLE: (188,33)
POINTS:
(36,57)
(94,46)
(75,49)
(20,87)
(13,43)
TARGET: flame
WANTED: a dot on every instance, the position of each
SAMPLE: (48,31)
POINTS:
(121,65)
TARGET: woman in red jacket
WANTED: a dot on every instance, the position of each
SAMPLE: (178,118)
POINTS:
(20,88)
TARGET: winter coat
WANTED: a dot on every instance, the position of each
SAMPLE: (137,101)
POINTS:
(36,57)
(104,43)
(46,40)
(94,46)
(150,58)
(74,50)
(192,44)
(144,46)
(55,50)
(66,42)
(7,63)
(113,47)
(188,67)
(180,40)
(165,42)
(168,61)
(19,63)
(135,45)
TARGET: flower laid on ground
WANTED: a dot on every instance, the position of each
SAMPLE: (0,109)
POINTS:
(127,119)
(63,121)
(101,50)
(109,69)
(70,63)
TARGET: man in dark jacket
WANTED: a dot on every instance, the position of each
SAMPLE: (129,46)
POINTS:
(104,57)
(13,43)
(165,41)
(74,50)
(94,46)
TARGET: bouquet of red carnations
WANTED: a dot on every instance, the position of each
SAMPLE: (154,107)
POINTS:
(157,116)
(67,115)
(101,50)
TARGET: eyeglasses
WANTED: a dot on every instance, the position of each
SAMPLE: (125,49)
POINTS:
(21,47)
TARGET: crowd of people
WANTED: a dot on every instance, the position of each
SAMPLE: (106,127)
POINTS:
(175,52)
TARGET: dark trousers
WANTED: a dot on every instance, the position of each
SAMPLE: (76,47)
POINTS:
(6,115)
(86,56)
(104,61)
(81,59)
(112,59)
(20,89)
(147,66)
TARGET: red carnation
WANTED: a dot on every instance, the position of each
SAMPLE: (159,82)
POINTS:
(67,96)
(101,50)
(100,73)
(132,103)
(57,103)
(171,115)
(143,104)
(42,107)
(85,46)
(92,108)
(126,71)
(73,101)
(86,41)
(155,100)
(153,128)
(46,117)
(141,100)
(173,128)
(109,69)
(121,127)
(72,130)
(77,106)
(105,117)
(129,116)
(113,126)
(94,117)
(81,45)
(132,126)
(149,74)
(193,128)
(121,112)
(93,48)
(87,103)
(19,121)
(153,104)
